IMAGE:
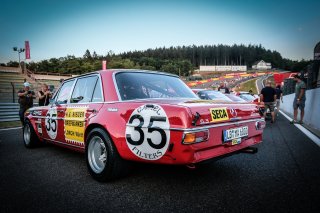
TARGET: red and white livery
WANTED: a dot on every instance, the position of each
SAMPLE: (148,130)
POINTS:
(117,116)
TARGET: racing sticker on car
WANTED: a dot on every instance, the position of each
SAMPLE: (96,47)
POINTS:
(147,132)
(51,123)
(74,124)
(39,126)
(219,114)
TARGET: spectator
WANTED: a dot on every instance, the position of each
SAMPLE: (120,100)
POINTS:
(26,97)
(223,88)
(279,97)
(44,95)
(299,99)
(236,90)
(268,96)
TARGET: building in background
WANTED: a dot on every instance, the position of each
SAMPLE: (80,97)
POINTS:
(221,68)
(261,65)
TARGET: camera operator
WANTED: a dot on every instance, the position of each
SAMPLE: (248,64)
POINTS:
(44,95)
(26,97)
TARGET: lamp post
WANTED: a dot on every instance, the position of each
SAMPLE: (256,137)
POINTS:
(19,50)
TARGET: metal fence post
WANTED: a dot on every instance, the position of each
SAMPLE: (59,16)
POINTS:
(13,93)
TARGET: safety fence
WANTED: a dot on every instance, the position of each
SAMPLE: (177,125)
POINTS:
(310,75)
(10,112)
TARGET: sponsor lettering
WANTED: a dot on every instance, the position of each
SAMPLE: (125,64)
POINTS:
(74,124)
(155,108)
(148,156)
(219,114)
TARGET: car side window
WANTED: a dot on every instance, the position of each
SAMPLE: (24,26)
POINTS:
(97,95)
(83,89)
(64,92)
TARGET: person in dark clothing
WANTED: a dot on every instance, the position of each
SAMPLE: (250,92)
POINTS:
(299,99)
(223,88)
(26,97)
(279,97)
(268,96)
(44,95)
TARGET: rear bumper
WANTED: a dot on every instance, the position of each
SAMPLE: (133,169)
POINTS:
(220,151)
(211,149)
(192,155)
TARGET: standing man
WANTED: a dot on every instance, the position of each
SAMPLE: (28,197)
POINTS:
(26,97)
(268,96)
(299,99)
(279,96)
(223,89)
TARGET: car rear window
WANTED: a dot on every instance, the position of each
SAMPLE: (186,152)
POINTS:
(247,97)
(213,95)
(140,85)
(235,98)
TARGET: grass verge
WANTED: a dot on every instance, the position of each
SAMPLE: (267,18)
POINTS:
(9,124)
(249,85)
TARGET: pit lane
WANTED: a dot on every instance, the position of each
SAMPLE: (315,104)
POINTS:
(284,176)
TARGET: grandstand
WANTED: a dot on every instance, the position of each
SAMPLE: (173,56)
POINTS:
(12,79)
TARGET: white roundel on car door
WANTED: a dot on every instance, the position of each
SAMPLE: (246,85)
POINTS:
(51,123)
(147,132)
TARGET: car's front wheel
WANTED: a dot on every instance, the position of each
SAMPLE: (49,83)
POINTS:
(103,160)
(30,138)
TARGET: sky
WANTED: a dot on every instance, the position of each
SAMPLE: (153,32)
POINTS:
(57,28)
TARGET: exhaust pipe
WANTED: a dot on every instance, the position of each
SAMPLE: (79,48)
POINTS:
(191,166)
(249,150)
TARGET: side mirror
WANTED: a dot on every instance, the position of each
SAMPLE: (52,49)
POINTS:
(76,100)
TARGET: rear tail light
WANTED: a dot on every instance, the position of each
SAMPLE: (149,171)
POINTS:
(260,125)
(195,136)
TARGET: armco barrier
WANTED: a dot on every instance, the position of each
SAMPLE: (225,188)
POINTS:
(311,115)
(9,112)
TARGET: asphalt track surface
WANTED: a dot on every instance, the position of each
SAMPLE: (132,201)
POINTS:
(284,176)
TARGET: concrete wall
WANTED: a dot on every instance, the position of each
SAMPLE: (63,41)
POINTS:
(312,108)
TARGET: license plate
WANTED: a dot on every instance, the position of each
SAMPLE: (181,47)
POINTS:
(230,134)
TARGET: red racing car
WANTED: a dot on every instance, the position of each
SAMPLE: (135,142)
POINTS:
(117,116)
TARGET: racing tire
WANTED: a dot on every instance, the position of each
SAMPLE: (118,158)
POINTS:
(103,160)
(30,138)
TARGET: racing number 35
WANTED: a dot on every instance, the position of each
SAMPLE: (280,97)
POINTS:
(150,130)
(51,124)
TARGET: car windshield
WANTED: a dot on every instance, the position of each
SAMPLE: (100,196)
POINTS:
(142,85)
(247,97)
(213,95)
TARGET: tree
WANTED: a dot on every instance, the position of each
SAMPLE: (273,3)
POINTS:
(94,55)
(87,55)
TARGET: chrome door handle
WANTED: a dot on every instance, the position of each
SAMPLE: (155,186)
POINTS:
(92,110)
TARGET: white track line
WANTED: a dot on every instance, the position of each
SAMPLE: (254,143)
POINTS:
(10,128)
(309,134)
(257,86)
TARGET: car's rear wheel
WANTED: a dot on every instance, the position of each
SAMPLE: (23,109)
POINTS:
(30,138)
(103,160)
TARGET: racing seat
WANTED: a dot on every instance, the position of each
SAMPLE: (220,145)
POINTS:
(132,93)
